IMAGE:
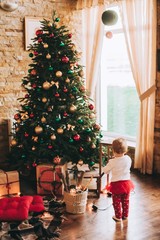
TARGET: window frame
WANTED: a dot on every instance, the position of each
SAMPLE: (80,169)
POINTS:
(109,136)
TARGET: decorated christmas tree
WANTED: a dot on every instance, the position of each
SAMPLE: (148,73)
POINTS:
(56,121)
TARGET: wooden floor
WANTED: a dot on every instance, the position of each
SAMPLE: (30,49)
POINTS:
(143,222)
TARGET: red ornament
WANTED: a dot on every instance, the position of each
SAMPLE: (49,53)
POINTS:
(26,134)
(76,137)
(51,35)
(96,127)
(65,59)
(57,160)
(70,35)
(82,89)
(56,94)
(65,90)
(17,116)
(65,114)
(33,72)
(27,96)
(35,53)
(50,146)
(81,149)
(31,115)
(34,164)
(39,32)
(39,40)
(34,85)
(109,34)
(91,107)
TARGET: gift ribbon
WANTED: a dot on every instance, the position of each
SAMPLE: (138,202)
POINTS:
(53,183)
(7,184)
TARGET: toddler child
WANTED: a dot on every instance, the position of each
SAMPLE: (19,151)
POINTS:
(121,185)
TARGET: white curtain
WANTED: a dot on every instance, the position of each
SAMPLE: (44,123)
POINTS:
(92,35)
(87,3)
(139,23)
(81,4)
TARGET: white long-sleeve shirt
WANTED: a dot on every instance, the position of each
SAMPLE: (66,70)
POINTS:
(119,167)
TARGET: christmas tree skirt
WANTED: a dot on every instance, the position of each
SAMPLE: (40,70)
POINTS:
(44,225)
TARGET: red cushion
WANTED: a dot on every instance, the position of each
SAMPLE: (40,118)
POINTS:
(37,204)
(15,209)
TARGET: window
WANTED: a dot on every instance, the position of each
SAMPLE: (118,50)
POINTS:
(119,102)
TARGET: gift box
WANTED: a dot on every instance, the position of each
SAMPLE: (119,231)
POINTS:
(9,183)
(49,179)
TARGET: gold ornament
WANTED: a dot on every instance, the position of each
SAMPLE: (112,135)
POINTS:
(60,131)
(38,129)
(46,85)
(13,142)
(43,119)
(82,88)
(53,137)
(33,148)
(48,56)
(58,74)
(44,99)
(88,139)
(92,115)
(81,73)
(72,108)
(80,162)
(67,80)
(45,45)
(19,121)
(93,146)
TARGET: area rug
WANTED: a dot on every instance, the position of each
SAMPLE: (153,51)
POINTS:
(40,226)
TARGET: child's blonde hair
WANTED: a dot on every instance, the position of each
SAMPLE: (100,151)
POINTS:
(119,145)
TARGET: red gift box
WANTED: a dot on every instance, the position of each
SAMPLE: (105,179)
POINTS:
(49,180)
(9,183)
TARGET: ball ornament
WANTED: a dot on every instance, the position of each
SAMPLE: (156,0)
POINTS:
(109,17)
(38,129)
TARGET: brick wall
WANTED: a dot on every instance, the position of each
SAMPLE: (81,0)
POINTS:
(14,59)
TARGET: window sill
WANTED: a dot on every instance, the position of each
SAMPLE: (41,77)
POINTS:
(109,139)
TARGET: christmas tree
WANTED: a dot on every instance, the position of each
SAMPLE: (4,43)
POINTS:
(56,122)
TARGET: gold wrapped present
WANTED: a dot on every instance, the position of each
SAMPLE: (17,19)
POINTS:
(9,183)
